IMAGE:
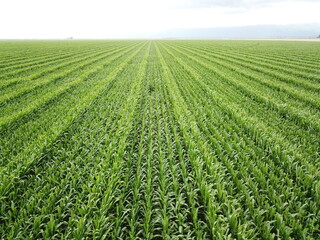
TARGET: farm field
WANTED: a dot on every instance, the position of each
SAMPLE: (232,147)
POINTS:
(163,139)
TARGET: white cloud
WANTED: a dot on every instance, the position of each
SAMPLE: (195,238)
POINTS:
(182,4)
(127,18)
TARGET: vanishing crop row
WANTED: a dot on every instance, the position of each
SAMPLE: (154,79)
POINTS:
(160,140)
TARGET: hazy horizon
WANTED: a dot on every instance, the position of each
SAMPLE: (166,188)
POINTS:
(123,19)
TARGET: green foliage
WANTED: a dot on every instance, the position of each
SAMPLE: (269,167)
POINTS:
(159,140)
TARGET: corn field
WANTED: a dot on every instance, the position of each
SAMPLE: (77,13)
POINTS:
(163,139)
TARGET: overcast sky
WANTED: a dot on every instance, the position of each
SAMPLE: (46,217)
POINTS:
(144,18)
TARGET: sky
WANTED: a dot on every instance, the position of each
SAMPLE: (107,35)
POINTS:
(94,19)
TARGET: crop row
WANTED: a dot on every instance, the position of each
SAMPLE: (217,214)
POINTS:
(160,140)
